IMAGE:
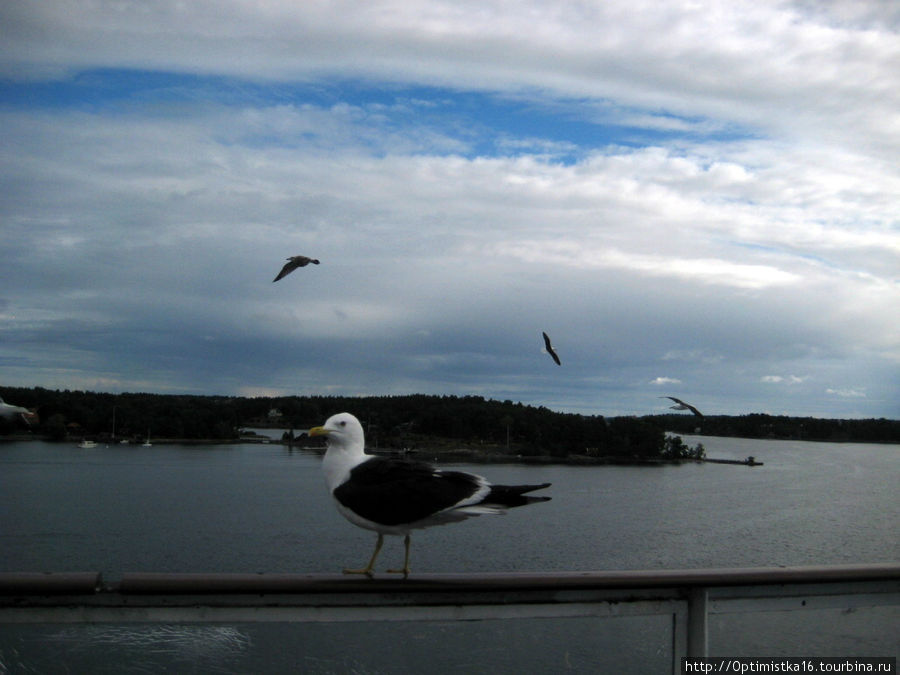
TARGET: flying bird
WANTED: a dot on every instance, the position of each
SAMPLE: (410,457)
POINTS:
(394,496)
(15,412)
(683,406)
(293,263)
(550,349)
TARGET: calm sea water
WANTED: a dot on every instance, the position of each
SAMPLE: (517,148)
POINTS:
(264,508)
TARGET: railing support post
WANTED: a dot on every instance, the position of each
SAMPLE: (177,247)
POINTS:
(698,624)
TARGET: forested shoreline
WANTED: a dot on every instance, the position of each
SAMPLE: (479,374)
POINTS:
(413,422)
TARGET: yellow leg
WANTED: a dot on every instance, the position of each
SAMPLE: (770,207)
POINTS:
(367,570)
(405,570)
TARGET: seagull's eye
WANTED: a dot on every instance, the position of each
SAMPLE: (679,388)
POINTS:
(343,423)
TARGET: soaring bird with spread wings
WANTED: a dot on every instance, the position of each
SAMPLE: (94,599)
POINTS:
(293,263)
(549,348)
(683,406)
(15,412)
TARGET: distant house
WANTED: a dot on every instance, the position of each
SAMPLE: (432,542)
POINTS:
(273,418)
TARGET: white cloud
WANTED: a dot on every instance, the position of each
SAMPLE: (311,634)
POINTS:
(790,379)
(780,66)
(704,270)
(692,355)
(854,392)
(175,224)
(757,234)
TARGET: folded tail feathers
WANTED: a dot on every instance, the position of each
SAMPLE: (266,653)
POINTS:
(514,495)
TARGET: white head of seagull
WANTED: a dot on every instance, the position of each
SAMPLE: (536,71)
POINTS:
(346,447)
(394,496)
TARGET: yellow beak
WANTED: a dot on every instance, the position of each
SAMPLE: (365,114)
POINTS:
(318,431)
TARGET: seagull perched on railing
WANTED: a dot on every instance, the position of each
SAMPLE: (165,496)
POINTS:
(683,406)
(394,496)
(293,263)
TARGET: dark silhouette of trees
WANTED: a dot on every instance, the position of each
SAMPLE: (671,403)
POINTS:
(676,448)
(759,425)
(418,421)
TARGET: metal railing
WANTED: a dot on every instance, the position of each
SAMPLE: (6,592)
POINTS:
(689,597)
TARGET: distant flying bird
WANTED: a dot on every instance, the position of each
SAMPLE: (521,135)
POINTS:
(293,263)
(683,406)
(393,496)
(550,349)
(14,412)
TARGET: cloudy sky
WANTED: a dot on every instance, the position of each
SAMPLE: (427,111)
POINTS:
(698,199)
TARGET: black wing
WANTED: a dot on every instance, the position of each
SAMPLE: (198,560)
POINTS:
(293,263)
(694,410)
(514,495)
(289,267)
(393,491)
(550,349)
